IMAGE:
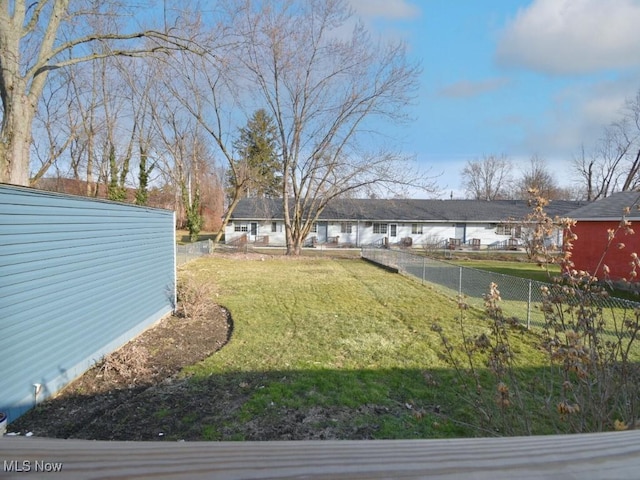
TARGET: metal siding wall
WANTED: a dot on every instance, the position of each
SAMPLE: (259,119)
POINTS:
(78,278)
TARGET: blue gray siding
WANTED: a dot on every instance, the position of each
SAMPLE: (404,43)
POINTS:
(78,278)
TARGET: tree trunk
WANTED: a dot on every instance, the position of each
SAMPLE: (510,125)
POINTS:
(295,239)
(227,216)
(294,248)
(291,250)
(631,179)
(16,141)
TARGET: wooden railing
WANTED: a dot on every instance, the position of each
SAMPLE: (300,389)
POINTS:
(261,240)
(613,455)
(510,244)
(240,241)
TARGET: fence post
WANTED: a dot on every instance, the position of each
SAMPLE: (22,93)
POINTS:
(424,269)
(529,307)
(460,282)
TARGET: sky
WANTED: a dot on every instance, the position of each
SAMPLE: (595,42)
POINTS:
(511,77)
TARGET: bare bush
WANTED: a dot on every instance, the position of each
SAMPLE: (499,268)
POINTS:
(195,297)
(432,244)
(590,381)
(126,363)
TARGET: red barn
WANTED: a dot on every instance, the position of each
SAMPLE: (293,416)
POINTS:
(596,222)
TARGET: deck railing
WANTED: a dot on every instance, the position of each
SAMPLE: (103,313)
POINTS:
(612,455)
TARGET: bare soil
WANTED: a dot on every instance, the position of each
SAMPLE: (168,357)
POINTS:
(111,400)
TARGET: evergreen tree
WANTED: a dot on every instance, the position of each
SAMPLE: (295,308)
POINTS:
(258,160)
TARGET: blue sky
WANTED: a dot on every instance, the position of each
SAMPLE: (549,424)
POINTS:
(513,77)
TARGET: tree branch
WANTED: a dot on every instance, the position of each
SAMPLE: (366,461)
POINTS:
(33,21)
(173,43)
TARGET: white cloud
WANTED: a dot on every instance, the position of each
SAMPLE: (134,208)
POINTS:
(388,9)
(578,117)
(466,88)
(573,36)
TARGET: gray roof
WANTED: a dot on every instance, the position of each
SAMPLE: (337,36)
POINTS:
(610,208)
(407,210)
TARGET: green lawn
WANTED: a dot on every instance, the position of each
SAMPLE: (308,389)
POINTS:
(344,338)
(533,272)
(516,269)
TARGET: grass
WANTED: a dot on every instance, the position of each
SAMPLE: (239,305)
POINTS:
(345,337)
(516,269)
(614,315)
(324,313)
(182,236)
(534,272)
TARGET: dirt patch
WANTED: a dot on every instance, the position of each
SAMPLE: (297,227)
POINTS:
(126,381)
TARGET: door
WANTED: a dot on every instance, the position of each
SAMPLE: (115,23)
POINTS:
(322,232)
(254,231)
(461,232)
(393,230)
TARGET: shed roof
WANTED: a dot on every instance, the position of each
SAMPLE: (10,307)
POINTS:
(407,210)
(610,208)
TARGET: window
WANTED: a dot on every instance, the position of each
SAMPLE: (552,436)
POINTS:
(380,228)
(518,232)
(503,229)
(346,227)
(276,227)
(240,227)
(314,228)
(416,229)
(509,229)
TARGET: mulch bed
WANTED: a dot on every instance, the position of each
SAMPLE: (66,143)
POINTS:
(102,403)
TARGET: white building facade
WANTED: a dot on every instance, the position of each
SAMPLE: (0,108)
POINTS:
(410,223)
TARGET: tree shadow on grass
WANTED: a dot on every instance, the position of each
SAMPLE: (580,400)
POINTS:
(276,405)
(239,406)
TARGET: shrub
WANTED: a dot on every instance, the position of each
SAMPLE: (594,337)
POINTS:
(127,363)
(195,297)
(589,383)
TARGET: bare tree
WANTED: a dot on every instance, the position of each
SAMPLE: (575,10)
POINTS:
(629,127)
(326,88)
(613,162)
(587,169)
(207,93)
(599,170)
(184,158)
(487,179)
(83,103)
(40,36)
(603,170)
(57,130)
(537,178)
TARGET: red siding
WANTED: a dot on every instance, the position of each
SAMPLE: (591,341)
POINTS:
(592,242)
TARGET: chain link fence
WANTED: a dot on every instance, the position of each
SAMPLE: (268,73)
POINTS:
(521,297)
(190,251)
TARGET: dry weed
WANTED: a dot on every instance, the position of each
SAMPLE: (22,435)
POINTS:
(195,298)
(127,363)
